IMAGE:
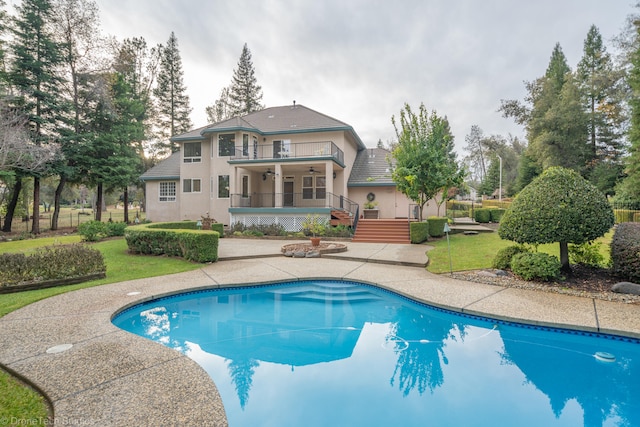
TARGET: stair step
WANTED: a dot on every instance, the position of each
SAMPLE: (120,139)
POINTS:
(382,231)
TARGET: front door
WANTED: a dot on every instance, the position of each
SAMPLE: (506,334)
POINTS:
(288,193)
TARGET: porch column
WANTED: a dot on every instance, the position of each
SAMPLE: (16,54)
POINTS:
(329,181)
(279,186)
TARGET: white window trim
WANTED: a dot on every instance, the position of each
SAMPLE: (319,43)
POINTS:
(168,198)
(192,180)
(192,159)
(234,144)
(228,189)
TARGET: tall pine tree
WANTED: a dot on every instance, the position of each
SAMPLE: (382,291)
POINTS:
(172,100)
(602,92)
(629,189)
(33,75)
(245,94)
(76,28)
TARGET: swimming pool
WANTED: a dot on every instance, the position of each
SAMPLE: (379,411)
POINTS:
(319,353)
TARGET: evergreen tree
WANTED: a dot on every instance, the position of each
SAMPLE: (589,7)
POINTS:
(629,189)
(172,100)
(221,109)
(33,77)
(245,95)
(602,94)
(3,69)
(107,156)
(139,65)
(76,28)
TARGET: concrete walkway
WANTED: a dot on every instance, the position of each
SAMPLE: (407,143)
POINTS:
(109,377)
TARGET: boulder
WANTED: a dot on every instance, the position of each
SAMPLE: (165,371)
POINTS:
(626,288)
(299,254)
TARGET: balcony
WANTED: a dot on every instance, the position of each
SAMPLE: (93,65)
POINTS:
(287,150)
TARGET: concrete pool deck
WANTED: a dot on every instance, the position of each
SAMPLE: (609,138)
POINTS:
(110,377)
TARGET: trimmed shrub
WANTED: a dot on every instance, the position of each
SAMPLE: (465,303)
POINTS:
(496,204)
(586,254)
(535,265)
(502,260)
(155,239)
(496,214)
(50,263)
(419,231)
(482,215)
(115,229)
(92,231)
(625,251)
(436,226)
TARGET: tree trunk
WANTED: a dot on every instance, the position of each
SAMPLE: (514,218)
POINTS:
(35,227)
(11,207)
(126,205)
(564,257)
(56,202)
(99,203)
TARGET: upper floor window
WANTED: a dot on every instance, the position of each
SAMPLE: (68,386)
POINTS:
(192,152)
(226,144)
(167,191)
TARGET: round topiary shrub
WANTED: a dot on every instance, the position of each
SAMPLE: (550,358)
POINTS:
(558,206)
(502,259)
(535,265)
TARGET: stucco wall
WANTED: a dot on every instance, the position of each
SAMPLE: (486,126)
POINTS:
(391,203)
(156,210)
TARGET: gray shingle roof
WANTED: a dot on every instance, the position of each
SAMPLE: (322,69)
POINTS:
(168,169)
(275,120)
(371,169)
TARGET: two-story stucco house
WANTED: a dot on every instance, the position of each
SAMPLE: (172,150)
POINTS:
(276,165)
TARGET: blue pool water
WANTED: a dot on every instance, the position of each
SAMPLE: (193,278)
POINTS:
(336,353)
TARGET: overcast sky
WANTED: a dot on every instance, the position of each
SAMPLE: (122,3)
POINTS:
(360,61)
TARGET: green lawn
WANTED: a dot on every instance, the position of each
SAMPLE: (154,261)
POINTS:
(473,252)
(22,403)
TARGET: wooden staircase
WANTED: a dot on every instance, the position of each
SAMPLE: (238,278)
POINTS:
(341,217)
(382,231)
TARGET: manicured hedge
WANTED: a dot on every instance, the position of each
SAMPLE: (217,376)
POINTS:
(482,215)
(496,214)
(419,231)
(188,225)
(625,251)
(173,239)
(535,265)
(436,226)
(50,263)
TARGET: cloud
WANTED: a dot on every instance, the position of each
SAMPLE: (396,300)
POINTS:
(359,61)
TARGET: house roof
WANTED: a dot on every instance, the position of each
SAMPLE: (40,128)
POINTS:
(169,168)
(294,118)
(371,169)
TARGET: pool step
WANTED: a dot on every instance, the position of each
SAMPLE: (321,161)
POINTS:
(333,294)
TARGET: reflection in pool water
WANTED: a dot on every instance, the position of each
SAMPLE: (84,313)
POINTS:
(319,353)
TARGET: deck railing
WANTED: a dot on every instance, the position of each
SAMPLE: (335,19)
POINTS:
(319,199)
(295,150)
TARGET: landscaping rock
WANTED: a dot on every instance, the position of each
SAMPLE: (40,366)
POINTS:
(487,273)
(501,273)
(288,253)
(470,233)
(626,288)
(313,254)
(299,254)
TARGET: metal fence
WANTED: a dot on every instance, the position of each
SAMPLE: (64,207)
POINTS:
(69,219)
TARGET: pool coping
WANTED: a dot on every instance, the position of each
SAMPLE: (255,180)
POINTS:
(112,377)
